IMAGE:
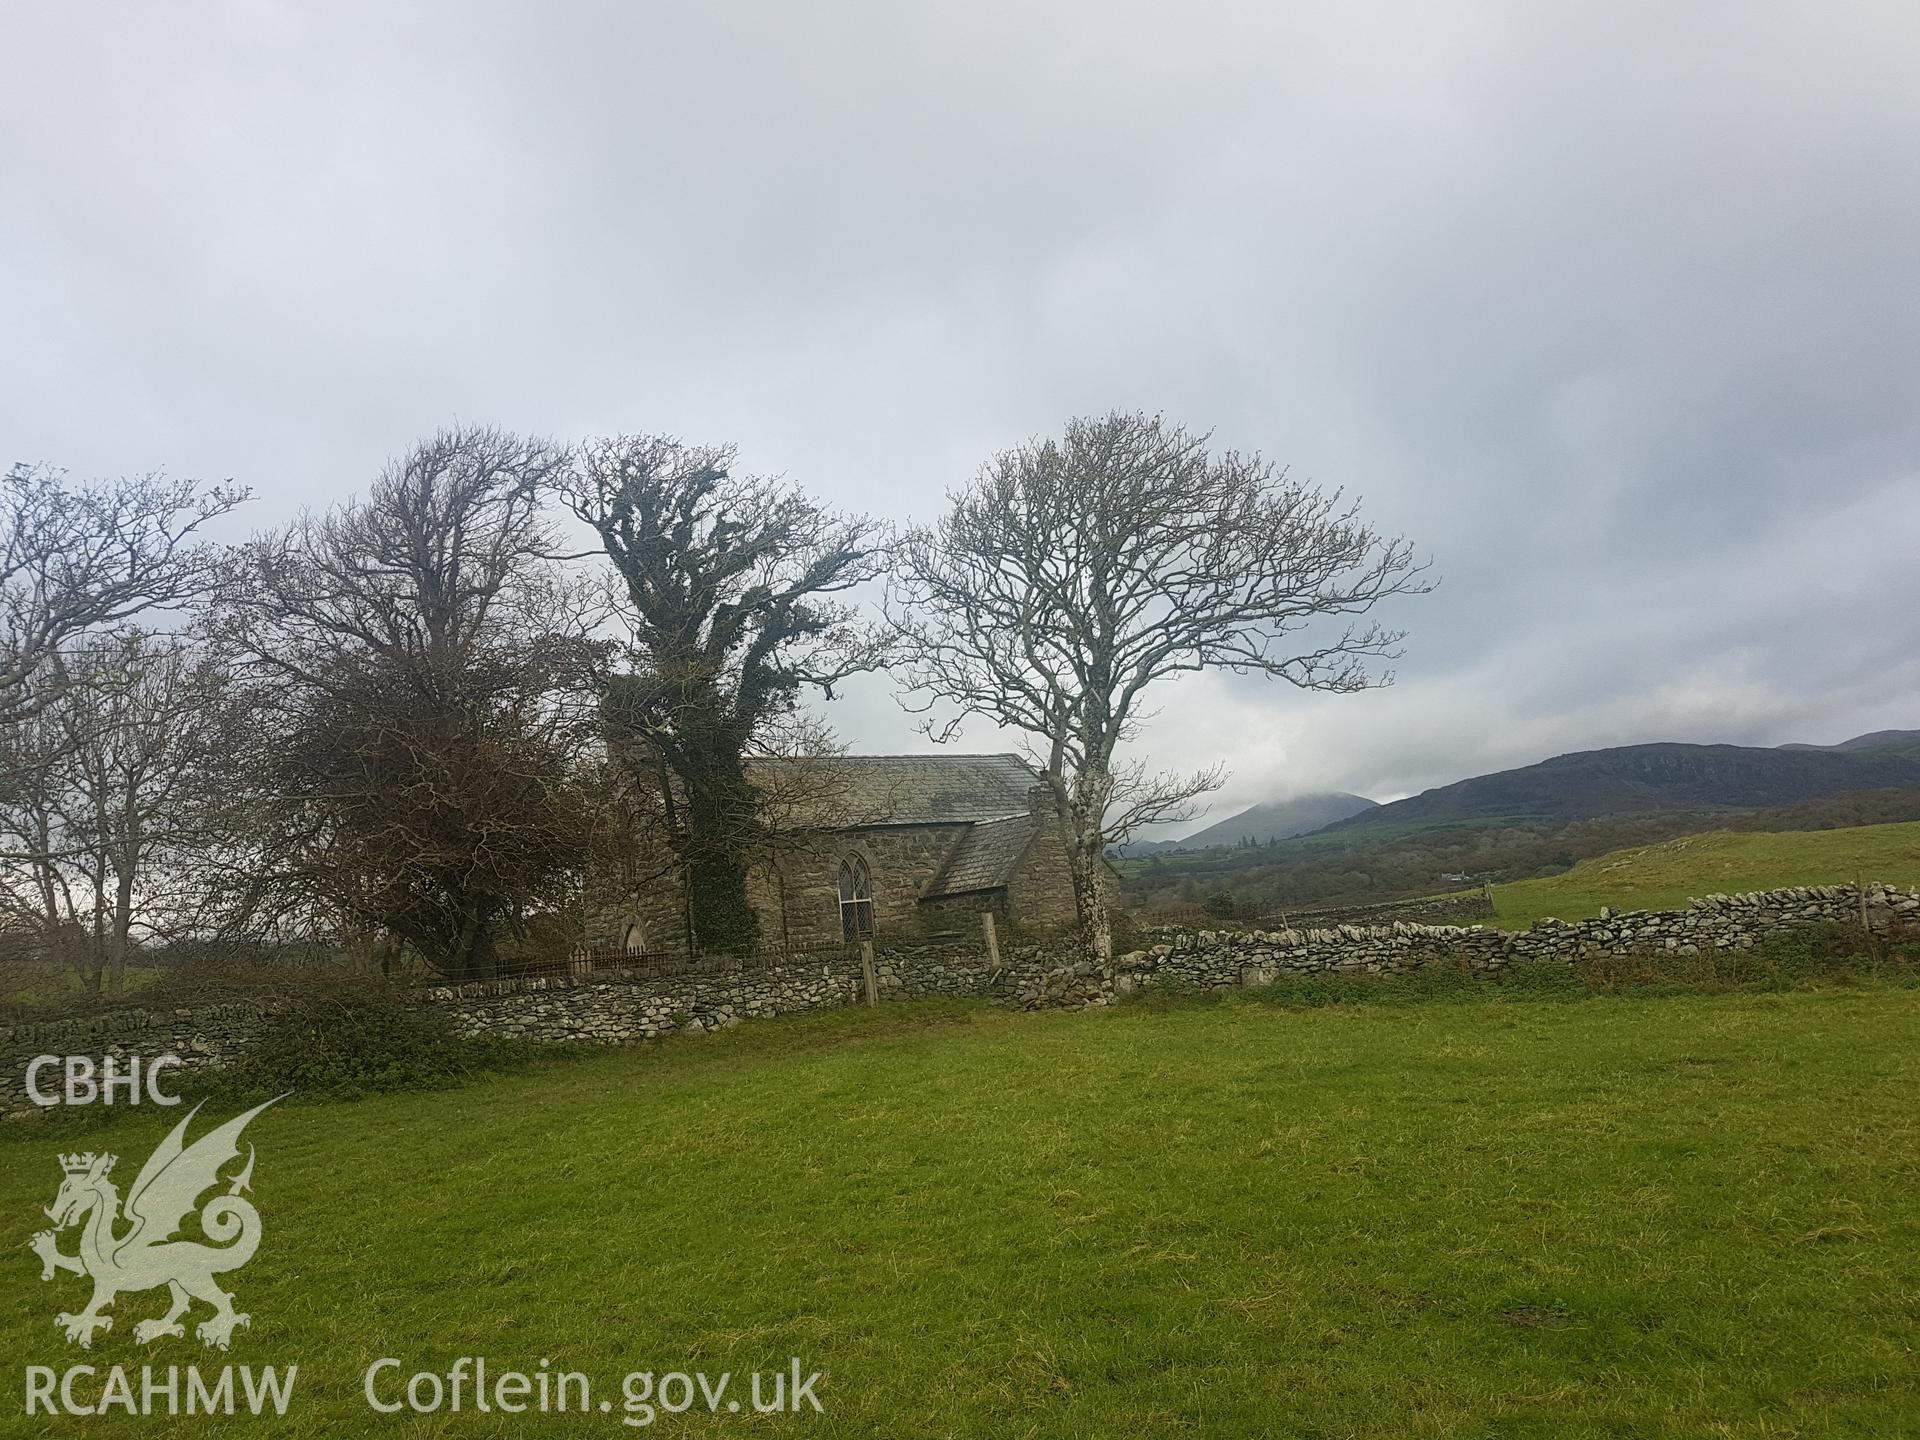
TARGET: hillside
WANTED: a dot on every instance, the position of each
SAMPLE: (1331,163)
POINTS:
(1351,865)
(1272,820)
(1879,739)
(1665,876)
(1637,778)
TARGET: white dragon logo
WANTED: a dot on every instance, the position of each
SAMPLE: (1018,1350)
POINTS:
(145,1256)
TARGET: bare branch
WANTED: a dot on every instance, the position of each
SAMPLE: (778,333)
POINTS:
(1074,574)
(422,702)
(78,559)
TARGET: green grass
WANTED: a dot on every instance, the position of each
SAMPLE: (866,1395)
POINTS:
(40,987)
(1684,1216)
(1665,876)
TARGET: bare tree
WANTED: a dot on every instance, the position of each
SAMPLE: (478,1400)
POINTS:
(39,912)
(419,678)
(1074,574)
(732,586)
(102,827)
(76,559)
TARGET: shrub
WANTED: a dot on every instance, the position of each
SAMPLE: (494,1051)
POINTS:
(347,1038)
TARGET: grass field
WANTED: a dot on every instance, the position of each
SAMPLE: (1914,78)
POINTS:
(34,986)
(1663,877)
(1679,1216)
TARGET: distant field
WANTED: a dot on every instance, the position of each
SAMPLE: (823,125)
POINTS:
(1665,876)
(36,985)
(1599,1218)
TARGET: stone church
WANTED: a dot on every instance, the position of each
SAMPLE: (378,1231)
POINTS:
(890,847)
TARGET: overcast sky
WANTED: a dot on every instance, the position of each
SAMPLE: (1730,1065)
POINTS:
(1614,308)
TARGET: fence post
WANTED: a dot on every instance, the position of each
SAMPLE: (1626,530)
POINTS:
(993,946)
(866,972)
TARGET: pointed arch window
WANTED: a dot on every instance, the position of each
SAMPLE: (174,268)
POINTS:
(856,899)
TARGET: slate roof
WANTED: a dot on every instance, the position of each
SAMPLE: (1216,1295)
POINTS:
(984,858)
(859,790)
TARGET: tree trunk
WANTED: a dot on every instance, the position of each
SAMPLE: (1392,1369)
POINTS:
(97,935)
(714,841)
(465,954)
(476,960)
(122,934)
(712,815)
(482,961)
(1092,898)
(1081,804)
(723,921)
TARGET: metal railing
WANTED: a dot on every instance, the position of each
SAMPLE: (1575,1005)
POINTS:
(586,962)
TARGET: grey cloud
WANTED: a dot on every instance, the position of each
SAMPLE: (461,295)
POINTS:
(1610,307)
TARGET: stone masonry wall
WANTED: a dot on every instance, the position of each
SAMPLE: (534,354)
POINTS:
(1040,890)
(613,1007)
(796,894)
(901,859)
(207,1035)
(1430,910)
(1217,960)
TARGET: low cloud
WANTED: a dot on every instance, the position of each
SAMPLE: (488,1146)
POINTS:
(1611,312)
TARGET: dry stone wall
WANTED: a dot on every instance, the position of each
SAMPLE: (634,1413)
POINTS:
(1224,959)
(611,1007)
(204,1035)
(1431,909)
(616,1007)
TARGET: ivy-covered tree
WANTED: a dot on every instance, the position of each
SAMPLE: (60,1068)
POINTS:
(734,592)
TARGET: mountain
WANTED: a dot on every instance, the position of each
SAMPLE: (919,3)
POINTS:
(1878,740)
(1271,820)
(1639,778)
